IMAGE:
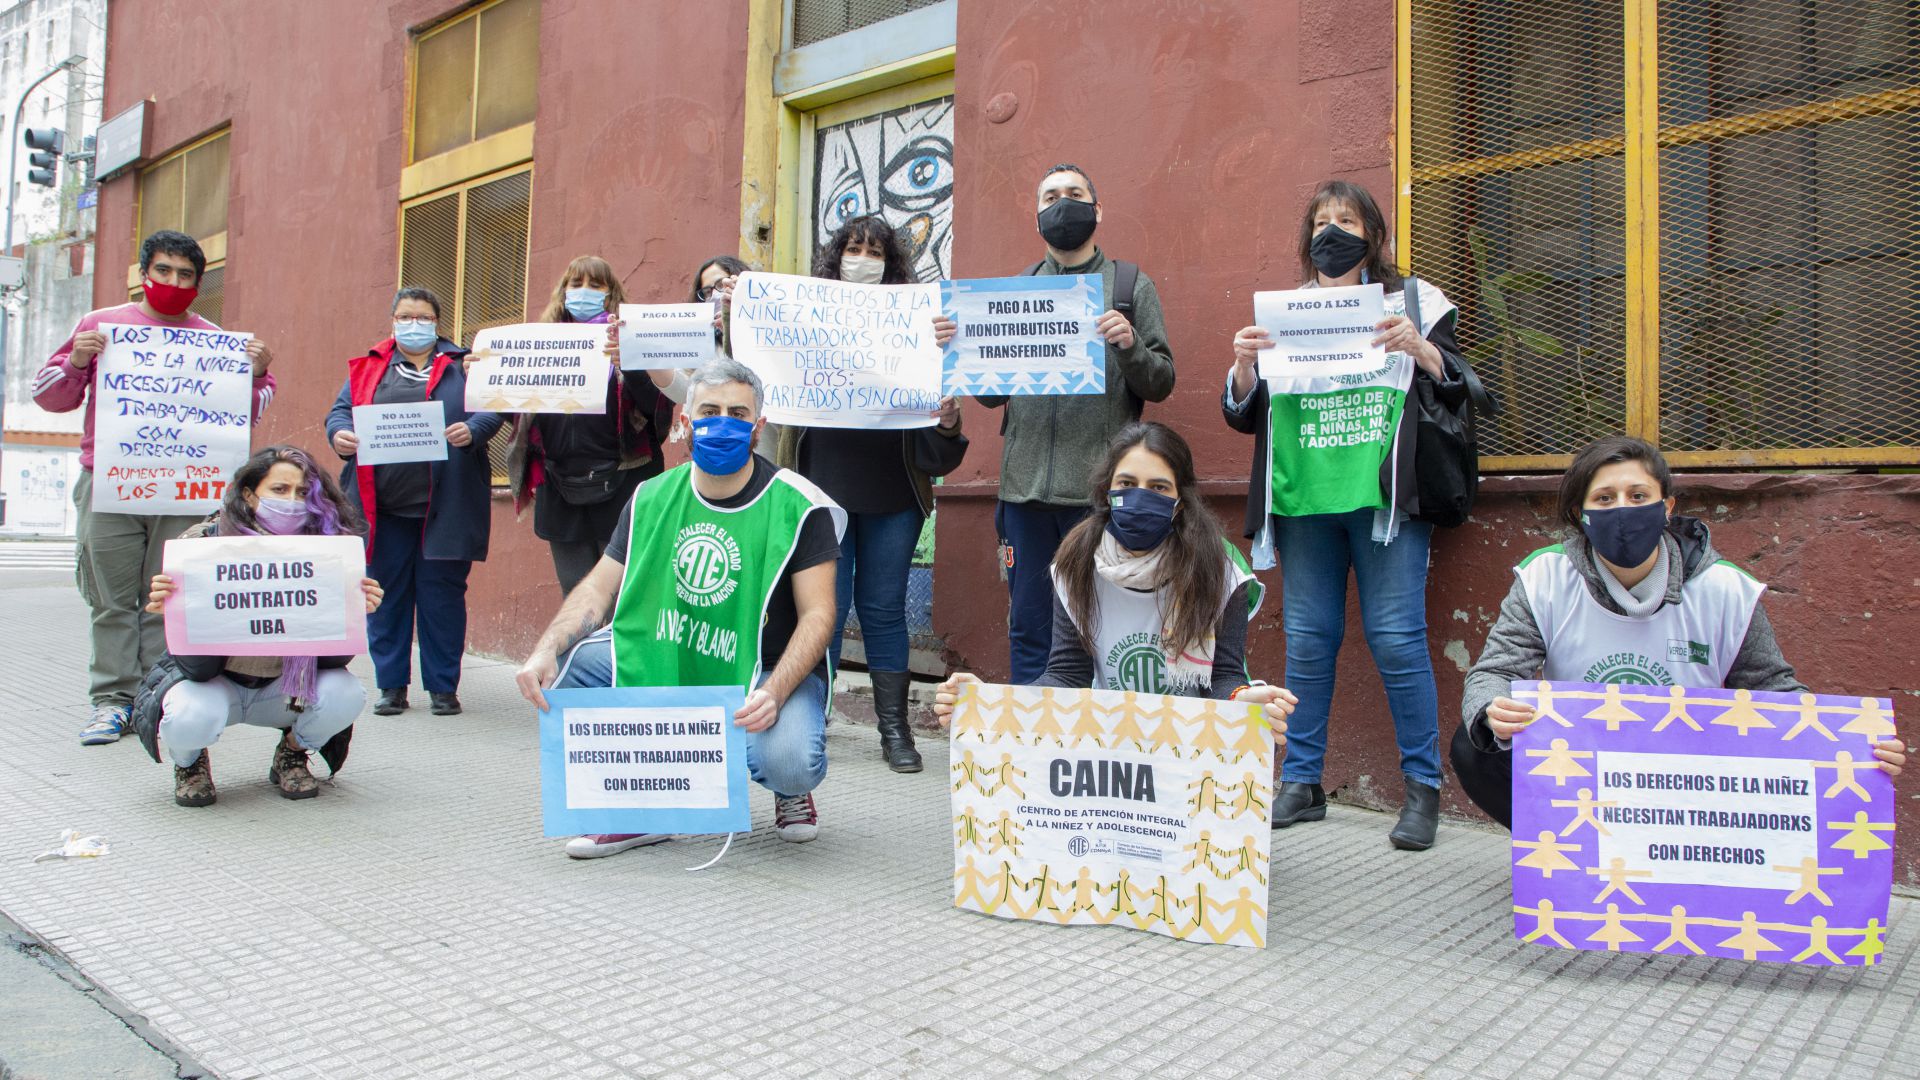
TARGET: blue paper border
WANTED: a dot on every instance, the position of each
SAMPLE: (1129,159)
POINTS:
(737,816)
(1084,373)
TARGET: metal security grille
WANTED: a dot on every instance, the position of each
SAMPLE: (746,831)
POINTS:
(475,76)
(817,20)
(469,246)
(1691,220)
(187,191)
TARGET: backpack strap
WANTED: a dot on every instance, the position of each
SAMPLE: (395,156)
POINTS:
(1482,401)
(1126,278)
(1034,269)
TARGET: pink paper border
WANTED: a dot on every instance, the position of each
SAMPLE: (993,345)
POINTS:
(353,644)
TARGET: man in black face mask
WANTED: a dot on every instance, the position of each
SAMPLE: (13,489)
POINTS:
(1053,442)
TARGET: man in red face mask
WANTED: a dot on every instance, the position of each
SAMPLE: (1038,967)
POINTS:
(119,553)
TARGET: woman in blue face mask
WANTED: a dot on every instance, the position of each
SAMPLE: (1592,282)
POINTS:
(1148,594)
(579,470)
(186,702)
(1635,594)
(428,521)
(884,480)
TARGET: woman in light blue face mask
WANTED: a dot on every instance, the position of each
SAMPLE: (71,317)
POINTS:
(428,521)
(578,470)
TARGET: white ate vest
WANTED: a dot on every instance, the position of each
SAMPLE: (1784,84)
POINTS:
(1692,643)
(1127,651)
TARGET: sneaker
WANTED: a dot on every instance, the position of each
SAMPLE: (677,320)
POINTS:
(392,702)
(290,773)
(108,724)
(795,818)
(601,845)
(447,704)
(193,785)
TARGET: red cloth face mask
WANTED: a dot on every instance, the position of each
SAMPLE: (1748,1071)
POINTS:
(167,299)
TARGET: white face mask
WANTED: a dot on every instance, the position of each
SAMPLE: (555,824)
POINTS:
(862,269)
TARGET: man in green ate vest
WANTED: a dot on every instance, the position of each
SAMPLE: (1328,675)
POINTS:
(721,573)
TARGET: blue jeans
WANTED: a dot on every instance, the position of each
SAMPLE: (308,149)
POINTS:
(429,592)
(1315,551)
(789,758)
(1033,532)
(876,555)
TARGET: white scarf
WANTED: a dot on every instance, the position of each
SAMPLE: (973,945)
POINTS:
(1140,573)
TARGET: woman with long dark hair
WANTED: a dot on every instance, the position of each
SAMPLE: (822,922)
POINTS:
(1603,606)
(579,469)
(884,480)
(427,522)
(1148,594)
(1331,490)
(314,699)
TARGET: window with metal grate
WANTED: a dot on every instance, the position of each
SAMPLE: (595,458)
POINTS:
(817,20)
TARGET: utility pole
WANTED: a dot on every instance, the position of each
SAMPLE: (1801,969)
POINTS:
(6,291)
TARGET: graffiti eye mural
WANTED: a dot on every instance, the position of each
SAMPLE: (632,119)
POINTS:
(897,164)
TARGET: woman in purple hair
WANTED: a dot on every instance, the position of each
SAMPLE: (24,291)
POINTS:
(278,492)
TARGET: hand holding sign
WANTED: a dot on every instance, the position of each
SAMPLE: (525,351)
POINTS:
(1320,333)
(839,354)
(1027,335)
(655,336)
(392,434)
(539,367)
(173,417)
(266,596)
(161,587)
(634,760)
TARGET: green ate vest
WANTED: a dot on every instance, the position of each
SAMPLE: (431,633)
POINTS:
(693,604)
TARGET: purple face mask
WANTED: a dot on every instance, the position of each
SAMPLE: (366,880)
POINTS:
(281,517)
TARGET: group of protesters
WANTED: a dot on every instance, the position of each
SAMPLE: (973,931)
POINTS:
(1104,537)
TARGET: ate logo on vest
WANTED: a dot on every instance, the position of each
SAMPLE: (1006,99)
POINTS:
(1138,664)
(706,564)
(1630,668)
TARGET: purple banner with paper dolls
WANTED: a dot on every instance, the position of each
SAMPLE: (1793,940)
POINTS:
(1735,823)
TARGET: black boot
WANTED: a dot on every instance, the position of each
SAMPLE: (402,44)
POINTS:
(890,708)
(1419,818)
(392,702)
(1298,802)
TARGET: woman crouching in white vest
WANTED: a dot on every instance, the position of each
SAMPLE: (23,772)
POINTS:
(1636,594)
(1148,595)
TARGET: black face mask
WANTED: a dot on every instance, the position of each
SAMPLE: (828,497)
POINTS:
(1625,535)
(1067,225)
(1335,251)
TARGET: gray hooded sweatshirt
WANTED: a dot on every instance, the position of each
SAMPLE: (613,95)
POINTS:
(1515,648)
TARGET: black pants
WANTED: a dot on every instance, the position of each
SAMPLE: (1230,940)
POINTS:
(1486,777)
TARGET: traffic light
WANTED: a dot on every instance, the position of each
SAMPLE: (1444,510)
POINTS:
(43,164)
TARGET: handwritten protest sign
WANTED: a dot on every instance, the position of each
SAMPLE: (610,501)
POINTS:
(266,596)
(1114,808)
(539,367)
(836,354)
(1728,823)
(643,760)
(1320,332)
(1024,335)
(390,434)
(655,336)
(173,417)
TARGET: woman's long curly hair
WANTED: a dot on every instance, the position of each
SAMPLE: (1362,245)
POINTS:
(329,513)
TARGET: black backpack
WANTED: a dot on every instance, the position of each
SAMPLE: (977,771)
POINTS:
(1446,449)
(1126,277)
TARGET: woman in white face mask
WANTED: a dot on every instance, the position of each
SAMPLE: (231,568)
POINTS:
(883,479)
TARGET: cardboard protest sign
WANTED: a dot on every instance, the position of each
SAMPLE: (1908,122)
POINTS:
(391,434)
(1024,335)
(643,760)
(539,367)
(1114,808)
(655,336)
(173,418)
(266,596)
(1729,823)
(837,354)
(1321,332)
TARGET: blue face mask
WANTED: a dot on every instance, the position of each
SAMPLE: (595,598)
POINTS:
(586,304)
(721,444)
(1138,518)
(416,337)
(1625,536)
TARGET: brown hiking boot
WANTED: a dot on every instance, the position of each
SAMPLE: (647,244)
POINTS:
(290,772)
(193,785)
